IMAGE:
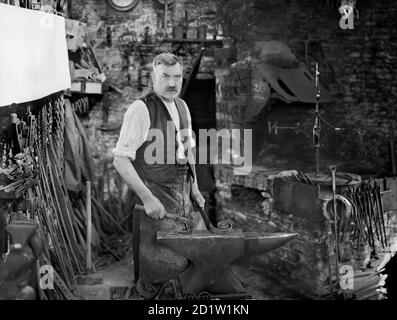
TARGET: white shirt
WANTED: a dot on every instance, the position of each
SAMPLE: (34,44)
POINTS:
(136,125)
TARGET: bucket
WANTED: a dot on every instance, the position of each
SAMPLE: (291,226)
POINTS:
(177,32)
(202,32)
(191,33)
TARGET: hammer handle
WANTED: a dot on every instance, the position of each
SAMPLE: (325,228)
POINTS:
(167,215)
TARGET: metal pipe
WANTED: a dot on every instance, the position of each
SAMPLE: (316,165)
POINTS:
(333,170)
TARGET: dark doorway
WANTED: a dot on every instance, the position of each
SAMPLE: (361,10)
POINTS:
(201,101)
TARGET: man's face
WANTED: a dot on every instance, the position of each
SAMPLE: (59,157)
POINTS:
(167,81)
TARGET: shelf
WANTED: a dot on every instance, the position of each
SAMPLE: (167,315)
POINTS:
(193,41)
(86,87)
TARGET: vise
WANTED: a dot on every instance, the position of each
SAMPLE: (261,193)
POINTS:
(17,272)
(212,253)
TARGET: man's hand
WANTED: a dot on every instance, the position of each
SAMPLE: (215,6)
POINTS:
(197,196)
(153,208)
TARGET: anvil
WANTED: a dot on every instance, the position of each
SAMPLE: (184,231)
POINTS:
(18,269)
(24,233)
(211,254)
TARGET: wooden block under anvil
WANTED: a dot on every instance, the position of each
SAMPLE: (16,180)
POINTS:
(90,279)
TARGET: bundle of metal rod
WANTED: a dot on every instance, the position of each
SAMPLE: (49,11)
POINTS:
(114,243)
(369,285)
(113,236)
(62,221)
(19,186)
(56,216)
(81,105)
(58,131)
(301,177)
(52,219)
(368,214)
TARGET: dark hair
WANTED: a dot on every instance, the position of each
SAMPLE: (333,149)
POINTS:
(168,59)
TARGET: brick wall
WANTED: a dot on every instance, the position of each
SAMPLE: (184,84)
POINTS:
(357,66)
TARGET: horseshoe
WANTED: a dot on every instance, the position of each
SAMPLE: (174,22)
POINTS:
(347,204)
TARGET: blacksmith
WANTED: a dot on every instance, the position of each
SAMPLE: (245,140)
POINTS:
(164,179)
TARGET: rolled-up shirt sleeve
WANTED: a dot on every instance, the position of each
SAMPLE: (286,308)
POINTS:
(134,130)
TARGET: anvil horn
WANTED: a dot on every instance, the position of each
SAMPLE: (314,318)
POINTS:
(257,243)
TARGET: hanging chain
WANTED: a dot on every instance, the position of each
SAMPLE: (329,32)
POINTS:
(58,131)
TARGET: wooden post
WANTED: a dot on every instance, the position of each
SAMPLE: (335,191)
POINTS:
(88,215)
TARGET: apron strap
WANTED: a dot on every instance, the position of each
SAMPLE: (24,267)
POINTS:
(183,122)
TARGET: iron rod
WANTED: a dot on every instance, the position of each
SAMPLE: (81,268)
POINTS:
(89,231)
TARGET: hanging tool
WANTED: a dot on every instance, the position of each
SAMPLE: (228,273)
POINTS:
(375,213)
(368,214)
(329,242)
(380,208)
(357,227)
(371,218)
(15,134)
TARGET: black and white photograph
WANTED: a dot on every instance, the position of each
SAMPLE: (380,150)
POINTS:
(198,156)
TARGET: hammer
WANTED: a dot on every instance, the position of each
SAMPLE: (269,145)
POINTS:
(186,221)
